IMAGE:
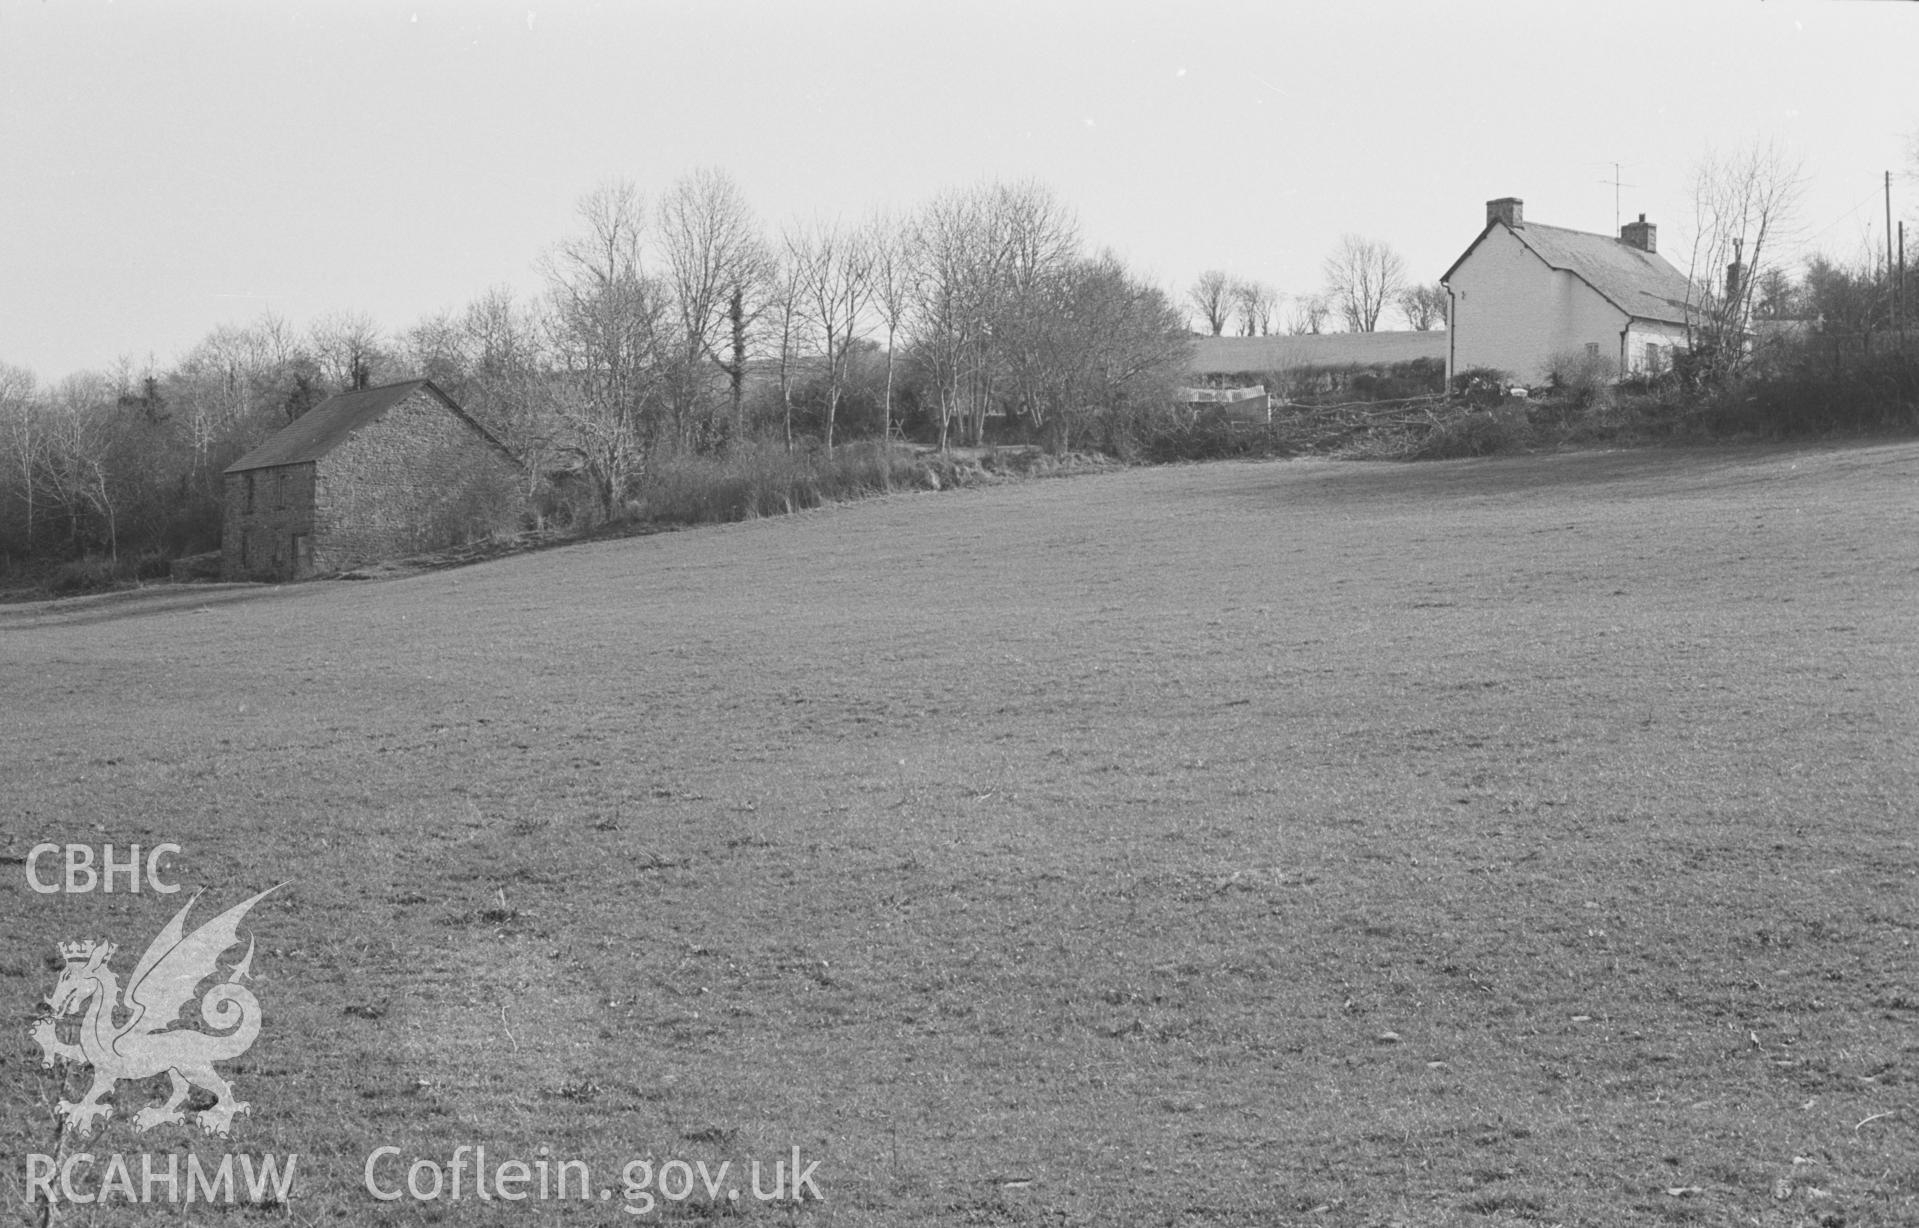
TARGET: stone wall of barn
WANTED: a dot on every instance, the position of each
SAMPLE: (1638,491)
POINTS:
(267,522)
(418,478)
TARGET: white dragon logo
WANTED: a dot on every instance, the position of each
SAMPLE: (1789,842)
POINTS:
(146,1044)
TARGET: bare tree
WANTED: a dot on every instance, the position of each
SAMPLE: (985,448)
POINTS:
(1254,305)
(1423,306)
(1308,315)
(834,267)
(1742,204)
(236,386)
(604,333)
(435,347)
(23,421)
(953,260)
(501,334)
(893,276)
(786,325)
(79,438)
(986,258)
(506,378)
(284,367)
(349,348)
(1212,297)
(1032,239)
(215,389)
(1362,276)
(714,260)
(1112,346)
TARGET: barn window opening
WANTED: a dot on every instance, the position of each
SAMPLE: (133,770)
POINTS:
(280,491)
(249,501)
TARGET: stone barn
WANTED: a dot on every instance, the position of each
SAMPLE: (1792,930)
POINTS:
(373,474)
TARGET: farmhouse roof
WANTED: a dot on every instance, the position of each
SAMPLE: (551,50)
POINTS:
(333,421)
(1257,355)
(1640,283)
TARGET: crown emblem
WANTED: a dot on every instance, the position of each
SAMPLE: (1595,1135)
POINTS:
(81,952)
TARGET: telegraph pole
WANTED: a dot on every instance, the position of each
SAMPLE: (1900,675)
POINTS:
(1888,230)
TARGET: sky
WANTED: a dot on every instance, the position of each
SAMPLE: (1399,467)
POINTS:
(170,167)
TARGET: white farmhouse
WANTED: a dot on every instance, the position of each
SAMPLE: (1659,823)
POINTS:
(1524,294)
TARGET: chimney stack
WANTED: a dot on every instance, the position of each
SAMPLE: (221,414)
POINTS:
(1641,234)
(1508,209)
(1736,271)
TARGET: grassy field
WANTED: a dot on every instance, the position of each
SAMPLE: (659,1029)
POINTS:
(1474,843)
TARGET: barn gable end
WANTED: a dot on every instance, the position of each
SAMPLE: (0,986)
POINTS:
(369,475)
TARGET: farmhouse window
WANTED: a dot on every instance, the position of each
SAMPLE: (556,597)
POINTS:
(249,506)
(1592,349)
(280,491)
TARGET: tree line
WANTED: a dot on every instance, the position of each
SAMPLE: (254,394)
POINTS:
(675,325)
(1363,277)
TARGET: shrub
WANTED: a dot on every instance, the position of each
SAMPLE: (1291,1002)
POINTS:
(1481,387)
(96,573)
(1577,377)
(1805,390)
(152,565)
(563,500)
(483,500)
(1475,434)
(1211,437)
(1639,410)
(761,478)
(86,575)
(1793,387)
(1416,377)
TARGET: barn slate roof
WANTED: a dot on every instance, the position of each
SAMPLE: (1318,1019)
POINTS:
(1640,283)
(1258,355)
(332,422)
